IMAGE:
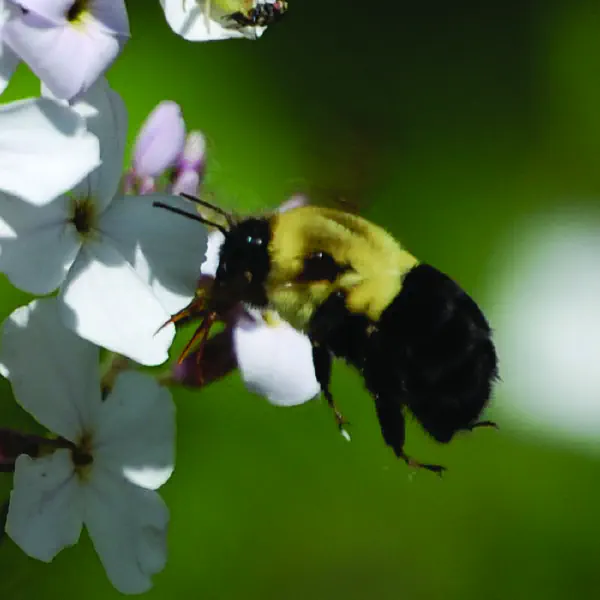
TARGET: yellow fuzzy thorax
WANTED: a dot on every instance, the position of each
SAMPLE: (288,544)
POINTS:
(377,263)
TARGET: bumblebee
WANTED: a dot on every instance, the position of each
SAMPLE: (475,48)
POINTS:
(420,342)
(260,15)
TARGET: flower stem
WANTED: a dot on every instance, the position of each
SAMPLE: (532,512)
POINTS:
(113,366)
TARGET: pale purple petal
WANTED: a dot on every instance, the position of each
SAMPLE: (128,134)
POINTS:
(46,510)
(275,361)
(194,152)
(295,201)
(190,166)
(160,141)
(110,14)
(187,182)
(66,58)
(54,11)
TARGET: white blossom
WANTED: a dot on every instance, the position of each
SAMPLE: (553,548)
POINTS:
(117,451)
(203,20)
(121,265)
(68,44)
(8,59)
(45,149)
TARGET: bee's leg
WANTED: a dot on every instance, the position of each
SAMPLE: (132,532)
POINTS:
(393,428)
(322,364)
(201,336)
(194,310)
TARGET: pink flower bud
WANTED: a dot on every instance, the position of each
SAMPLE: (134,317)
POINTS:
(160,141)
(189,171)
(193,153)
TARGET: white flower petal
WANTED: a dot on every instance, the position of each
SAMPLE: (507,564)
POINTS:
(295,201)
(67,58)
(45,513)
(135,432)
(37,246)
(44,149)
(275,361)
(54,373)
(8,63)
(211,262)
(55,11)
(187,19)
(128,527)
(104,301)
(165,249)
(106,117)
(112,15)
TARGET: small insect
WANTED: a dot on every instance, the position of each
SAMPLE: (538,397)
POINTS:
(418,339)
(260,15)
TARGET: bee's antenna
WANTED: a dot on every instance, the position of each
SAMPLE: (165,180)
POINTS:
(218,210)
(188,215)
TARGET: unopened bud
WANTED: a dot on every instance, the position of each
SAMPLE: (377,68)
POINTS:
(160,140)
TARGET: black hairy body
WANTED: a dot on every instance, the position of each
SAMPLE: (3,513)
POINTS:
(430,352)
(418,339)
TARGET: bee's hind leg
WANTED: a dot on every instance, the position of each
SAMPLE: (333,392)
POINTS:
(322,363)
(390,414)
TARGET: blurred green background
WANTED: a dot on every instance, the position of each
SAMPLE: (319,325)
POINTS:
(448,122)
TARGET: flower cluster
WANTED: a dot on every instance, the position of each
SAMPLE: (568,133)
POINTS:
(68,44)
(112,268)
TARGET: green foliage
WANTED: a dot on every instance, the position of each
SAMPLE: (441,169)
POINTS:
(479,114)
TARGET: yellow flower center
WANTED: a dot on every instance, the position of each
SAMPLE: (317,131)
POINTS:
(83,215)
(77,11)
(81,455)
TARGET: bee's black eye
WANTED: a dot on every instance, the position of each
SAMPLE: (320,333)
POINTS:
(320,266)
(255,241)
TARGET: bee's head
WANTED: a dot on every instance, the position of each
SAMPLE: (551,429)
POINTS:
(244,261)
(243,258)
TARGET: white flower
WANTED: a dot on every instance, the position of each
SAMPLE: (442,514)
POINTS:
(45,149)
(68,44)
(275,360)
(122,266)
(117,451)
(202,20)
(8,59)
(547,323)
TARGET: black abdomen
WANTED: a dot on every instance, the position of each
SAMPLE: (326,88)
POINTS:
(433,353)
